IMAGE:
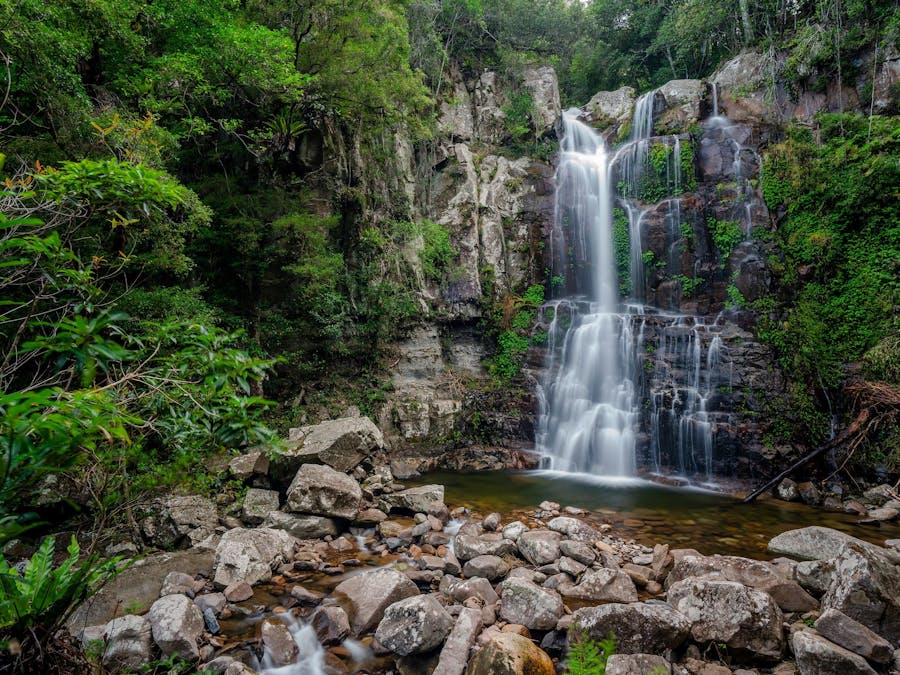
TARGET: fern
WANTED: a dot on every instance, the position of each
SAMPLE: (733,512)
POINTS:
(587,656)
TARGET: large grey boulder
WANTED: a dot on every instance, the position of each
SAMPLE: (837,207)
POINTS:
(416,499)
(817,656)
(637,664)
(727,612)
(607,107)
(601,585)
(369,594)
(280,647)
(542,84)
(849,634)
(525,603)
(455,654)
(301,525)
(817,543)
(180,521)
(257,505)
(176,624)
(683,101)
(127,643)
(866,587)
(539,547)
(510,654)
(414,625)
(467,546)
(250,555)
(341,444)
(574,529)
(490,567)
(461,590)
(640,628)
(320,490)
(753,573)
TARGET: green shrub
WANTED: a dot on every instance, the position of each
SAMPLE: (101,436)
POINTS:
(726,234)
(587,656)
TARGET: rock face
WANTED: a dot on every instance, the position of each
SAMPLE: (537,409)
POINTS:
(414,625)
(527,604)
(510,654)
(341,444)
(817,656)
(368,595)
(639,628)
(250,555)
(745,620)
(544,89)
(127,643)
(177,625)
(320,490)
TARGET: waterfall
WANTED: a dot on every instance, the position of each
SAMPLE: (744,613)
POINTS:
(607,360)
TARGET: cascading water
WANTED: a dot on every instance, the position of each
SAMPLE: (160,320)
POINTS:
(605,361)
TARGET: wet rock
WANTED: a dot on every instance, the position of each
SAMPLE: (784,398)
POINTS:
(881,515)
(815,575)
(278,642)
(238,591)
(816,543)
(370,517)
(257,505)
(370,593)
(817,656)
(491,522)
(213,601)
(640,628)
(306,596)
(417,499)
(461,590)
(849,634)
(251,555)
(177,583)
(809,493)
(574,529)
(539,547)
(331,625)
(572,567)
(247,466)
(468,546)
(341,444)
(787,491)
(176,624)
(405,468)
(320,490)
(866,587)
(510,654)
(577,550)
(637,664)
(526,603)
(301,525)
(209,619)
(878,495)
(414,625)
(602,585)
(127,643)
(746,620)
(490,567)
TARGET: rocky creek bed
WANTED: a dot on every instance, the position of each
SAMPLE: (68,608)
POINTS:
(334,566)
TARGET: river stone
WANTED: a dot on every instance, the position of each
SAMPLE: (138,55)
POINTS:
(602,585)
(301,525)
(787,491)
(815,576)
(607,107)
(574,529)
(817,656)
(177,625)
(574,568)
(816,543)
(637,664)
(127,643)
(341,444)
(417,499)
(490,567)
(753,573)
(744,619)
(214,601)
(322,491)
(577,550)
(257,505)
(514,530)
(461,590)
(467,546)
(331,624)
(455,653)
(866,587)
(849,634)
(370,593)
(510,654)
(523,602)
(251,554)
(539,547)
(640,628)
(177,583)
(278,642)
(414,625)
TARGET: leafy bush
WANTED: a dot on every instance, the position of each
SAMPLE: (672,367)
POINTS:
(513,343)
(587,656)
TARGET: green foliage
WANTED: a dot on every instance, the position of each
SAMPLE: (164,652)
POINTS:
(622,244)
(514,341)
(726,234)
(662,176)
(437,253)
(735,297)
(882,361)
(587,656)
(688,284)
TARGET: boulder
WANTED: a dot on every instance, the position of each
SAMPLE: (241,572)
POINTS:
(815,576)
(683,100)
(510,654)
(577,550)
(341,444)
(753,573)
(467,546)
(177,582)
(214,601)
(607,107)
(301,525)
(251,554)
(539,547)
(637,664)
(176,624)
(246,466)
(455,653)
(180,521)
(369,594)
(849,634)
(331,624)
(816,543)
(787,491)
(322,491)
(601,585)
(127,643)
(574,529)
(817,656)
(414,625)
(514,530)
(541,83)
(490,567)
(461,590)
(257,505)
(278,643)
(866,587)
(640,628)
(526,603)
(745,620)
(416,499)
